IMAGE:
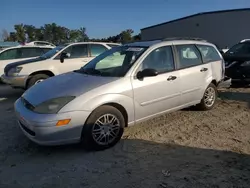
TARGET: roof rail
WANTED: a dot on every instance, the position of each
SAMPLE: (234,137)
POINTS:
(183,38)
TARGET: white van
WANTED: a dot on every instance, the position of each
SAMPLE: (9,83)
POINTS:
(61,59)
(21,52)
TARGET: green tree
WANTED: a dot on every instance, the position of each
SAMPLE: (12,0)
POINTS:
(39,34)
(137,37)
(126,36)
(84,36)
(30,31)
(20,32)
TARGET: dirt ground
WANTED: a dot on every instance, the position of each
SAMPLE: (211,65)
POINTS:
(184,149)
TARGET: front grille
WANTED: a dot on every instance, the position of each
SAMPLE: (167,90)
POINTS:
(27,104)
(32,133)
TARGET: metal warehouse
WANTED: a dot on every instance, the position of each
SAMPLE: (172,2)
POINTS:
(223,28)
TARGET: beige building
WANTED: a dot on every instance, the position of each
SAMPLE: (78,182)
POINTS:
(223,28)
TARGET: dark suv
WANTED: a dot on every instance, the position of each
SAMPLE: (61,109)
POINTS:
(237,62)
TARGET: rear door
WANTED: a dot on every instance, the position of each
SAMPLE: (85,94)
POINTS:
(193,73)
(212,56)
(29,52)
(6,57)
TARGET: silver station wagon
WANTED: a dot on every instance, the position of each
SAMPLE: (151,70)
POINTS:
(121,87)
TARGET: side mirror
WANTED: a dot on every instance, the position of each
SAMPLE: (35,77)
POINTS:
(147,73)
(63,56)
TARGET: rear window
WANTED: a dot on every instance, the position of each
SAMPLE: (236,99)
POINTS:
(208,53)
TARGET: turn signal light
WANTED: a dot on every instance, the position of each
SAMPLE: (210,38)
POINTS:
(63,122)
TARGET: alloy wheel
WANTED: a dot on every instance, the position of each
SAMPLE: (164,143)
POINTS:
(106,129)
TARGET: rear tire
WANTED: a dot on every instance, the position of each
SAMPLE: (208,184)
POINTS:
(98,135)
(209,98)
(36,79)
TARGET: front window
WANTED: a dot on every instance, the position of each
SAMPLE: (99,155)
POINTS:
(114,62)
(240,49)
(52,52)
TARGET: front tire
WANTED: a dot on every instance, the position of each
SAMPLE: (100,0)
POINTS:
(209,98)
(103,129)
(36,79)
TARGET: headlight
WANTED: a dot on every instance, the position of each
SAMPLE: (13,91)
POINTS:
(53,106)
(15,70)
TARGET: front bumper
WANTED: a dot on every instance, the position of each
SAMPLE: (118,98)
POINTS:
(42,129)
(15,81)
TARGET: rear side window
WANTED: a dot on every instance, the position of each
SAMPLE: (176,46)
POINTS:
(29,52)
(97,49)
(188,56)
(208,53)
(8,54)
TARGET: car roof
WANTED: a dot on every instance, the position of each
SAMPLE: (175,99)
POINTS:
(27,46)
(90,43)
(170,41)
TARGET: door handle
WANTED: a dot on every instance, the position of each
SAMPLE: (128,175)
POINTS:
(204,69)
(170,78)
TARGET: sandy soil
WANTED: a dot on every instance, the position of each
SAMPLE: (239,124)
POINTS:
(187,148)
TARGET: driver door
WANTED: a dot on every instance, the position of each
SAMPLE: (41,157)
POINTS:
(78,57)
(157,94)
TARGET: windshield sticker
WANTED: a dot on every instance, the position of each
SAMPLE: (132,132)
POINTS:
(134,49)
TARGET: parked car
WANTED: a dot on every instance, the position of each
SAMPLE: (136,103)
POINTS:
(237,60)
(19,53)
(61,59)
(94,104)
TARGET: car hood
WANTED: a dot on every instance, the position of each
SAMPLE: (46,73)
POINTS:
(18,63)
(68,84)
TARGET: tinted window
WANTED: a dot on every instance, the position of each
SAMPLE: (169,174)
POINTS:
(29,52)
(188,56)
(208,53)
(161,59)
(45,50)
(97,49)
(8,54)
(78,51)
(240,49)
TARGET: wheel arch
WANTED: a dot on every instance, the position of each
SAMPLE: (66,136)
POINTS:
(46,72)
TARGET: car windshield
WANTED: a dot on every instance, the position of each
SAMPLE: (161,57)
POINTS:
(240,49)
(52,52)
(114,62)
